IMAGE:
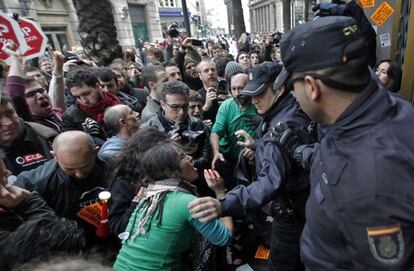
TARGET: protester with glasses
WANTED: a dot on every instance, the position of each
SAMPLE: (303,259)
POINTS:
(189,131)
(32,100)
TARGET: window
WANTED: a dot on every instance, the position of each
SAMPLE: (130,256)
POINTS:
(57,38)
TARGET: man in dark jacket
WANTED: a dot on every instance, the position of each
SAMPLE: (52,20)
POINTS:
(212,92)
(127,87)
(73,180)
(190,132)
(24,219)
(187,59)
(276,180)
(88,112)
(26,144)
(360,209)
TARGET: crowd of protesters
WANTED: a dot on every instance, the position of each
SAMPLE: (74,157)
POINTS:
(187,137)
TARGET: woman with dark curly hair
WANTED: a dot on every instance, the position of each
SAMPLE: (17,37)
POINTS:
(161,229)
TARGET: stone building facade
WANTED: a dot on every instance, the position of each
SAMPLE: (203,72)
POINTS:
(267,15)
(134,19)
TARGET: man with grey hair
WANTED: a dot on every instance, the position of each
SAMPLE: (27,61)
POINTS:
(124,122)
(73,180)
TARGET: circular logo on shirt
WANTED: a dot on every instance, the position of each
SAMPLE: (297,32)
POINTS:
(20,160)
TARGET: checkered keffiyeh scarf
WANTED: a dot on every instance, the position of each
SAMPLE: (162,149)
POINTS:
(152,203)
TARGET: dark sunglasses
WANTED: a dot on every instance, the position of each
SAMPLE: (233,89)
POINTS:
(33,93)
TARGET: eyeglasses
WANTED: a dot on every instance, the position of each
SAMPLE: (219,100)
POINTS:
(176,107)
(33,93)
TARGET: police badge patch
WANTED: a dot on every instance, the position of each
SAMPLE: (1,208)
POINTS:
(386,244)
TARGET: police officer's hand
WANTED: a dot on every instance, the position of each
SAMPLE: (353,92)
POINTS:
(11,196)
(283,135)
(205,209)
(252,121)
(249,154)
(91,126)
(248,142)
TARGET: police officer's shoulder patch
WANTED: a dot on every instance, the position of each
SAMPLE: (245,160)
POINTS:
(386,243)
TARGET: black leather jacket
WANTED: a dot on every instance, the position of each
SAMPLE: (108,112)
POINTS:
(194,137)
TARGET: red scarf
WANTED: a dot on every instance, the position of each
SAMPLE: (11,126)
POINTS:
(97,110)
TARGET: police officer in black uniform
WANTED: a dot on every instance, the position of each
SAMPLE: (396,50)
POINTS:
(276,179)
(360,212)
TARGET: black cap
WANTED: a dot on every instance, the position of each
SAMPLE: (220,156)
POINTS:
(260,77)
(325,42)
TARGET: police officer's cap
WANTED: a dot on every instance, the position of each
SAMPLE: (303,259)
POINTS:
(322,43)
(261,77)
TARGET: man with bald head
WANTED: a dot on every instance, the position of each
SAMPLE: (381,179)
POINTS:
(73,179)
(124,122)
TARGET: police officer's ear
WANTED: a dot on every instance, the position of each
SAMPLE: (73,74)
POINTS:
(312,88)
(280,91)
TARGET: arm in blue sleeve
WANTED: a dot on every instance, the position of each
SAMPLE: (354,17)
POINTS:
(271,174)
(215,231)
(306,154)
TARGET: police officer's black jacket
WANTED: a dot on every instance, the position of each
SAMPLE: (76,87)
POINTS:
(360,212)
(272,168)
